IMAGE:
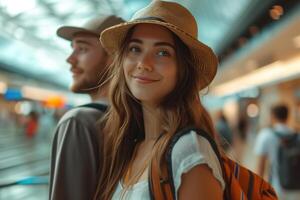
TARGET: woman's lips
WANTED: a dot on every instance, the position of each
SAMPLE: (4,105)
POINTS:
(144,79)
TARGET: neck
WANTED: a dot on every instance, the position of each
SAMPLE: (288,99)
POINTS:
(276,121)
(152,122)
(99,95)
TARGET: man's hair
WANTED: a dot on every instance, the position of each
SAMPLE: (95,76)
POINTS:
(280,112)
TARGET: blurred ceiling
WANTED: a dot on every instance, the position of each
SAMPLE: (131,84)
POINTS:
(270,59)
(29,45)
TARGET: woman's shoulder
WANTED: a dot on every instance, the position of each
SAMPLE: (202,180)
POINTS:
(191,143)
(191,150)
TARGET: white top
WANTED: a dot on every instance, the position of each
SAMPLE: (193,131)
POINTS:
(189,151)
(267,143)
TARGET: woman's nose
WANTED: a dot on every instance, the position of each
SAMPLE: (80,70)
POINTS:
(146,63)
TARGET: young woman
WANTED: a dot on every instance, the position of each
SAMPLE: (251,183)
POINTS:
(158,70)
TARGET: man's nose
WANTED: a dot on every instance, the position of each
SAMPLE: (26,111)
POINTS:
(72,59)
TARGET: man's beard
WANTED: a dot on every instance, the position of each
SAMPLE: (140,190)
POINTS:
(86,87)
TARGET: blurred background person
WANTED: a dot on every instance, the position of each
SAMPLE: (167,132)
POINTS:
(47,124)
(32,125)
(224,131)
(267,148)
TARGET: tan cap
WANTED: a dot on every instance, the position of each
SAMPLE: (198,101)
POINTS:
(177,19)
(93,26)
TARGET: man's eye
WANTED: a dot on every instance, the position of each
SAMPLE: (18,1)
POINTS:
(82,49)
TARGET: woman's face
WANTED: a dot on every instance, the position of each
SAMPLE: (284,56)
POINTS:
(150,65)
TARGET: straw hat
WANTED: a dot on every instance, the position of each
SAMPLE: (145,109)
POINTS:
(94,26)
(177,19)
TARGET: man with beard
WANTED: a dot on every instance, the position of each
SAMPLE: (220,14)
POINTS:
(75,148)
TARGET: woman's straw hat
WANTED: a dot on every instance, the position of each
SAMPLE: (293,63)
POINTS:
(177,19)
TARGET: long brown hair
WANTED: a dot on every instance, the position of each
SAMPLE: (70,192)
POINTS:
(124,124)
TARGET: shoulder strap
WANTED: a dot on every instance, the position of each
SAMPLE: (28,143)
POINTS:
(286,138)
(278,134)
(97,106)
(165,181)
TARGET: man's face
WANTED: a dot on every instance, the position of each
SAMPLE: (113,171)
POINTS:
(88,62)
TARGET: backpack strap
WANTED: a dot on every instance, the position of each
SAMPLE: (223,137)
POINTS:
(97,106)
(161,186)
(286,139)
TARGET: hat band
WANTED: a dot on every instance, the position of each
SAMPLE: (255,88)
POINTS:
(149,18)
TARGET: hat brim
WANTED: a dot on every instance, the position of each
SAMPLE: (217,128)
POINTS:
(112,38)
(68,32)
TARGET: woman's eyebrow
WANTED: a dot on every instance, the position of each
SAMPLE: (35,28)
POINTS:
(165,44)
(156,44)
(136,40)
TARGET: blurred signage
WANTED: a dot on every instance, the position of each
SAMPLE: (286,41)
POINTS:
(13,94)
(55,102)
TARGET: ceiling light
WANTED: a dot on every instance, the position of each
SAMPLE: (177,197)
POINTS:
(15,7)
(297,41)
(270,74)
(23,107)
(3,87)
(66,7)
(276,12)
(252,110)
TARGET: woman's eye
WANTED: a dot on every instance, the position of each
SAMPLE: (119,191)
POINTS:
(163,53)
(134,49)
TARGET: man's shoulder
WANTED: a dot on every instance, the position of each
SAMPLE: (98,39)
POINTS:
(266,131)
(265,134)
(283,129)
(82,113)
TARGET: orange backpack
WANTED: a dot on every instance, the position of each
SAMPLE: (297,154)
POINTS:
(241,183)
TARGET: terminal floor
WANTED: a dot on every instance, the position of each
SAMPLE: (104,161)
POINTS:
(22,158)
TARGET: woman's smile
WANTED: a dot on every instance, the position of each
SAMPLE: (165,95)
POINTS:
(144,79)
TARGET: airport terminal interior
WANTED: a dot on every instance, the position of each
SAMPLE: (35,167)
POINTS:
(257,43)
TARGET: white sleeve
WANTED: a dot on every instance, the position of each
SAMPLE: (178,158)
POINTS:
(262,142)
(192,150)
